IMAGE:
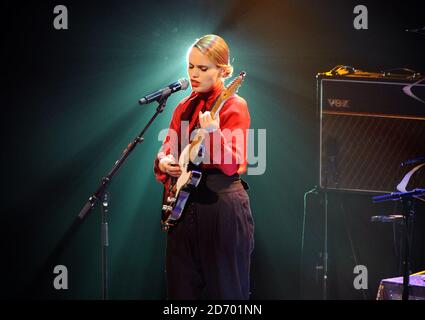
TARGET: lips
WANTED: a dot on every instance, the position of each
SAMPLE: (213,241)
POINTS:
(195,83)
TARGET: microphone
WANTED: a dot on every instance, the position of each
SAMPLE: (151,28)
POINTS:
(181,84)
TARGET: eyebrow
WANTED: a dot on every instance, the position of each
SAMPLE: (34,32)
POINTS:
(199,65)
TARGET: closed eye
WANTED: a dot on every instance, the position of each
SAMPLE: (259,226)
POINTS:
(201,67)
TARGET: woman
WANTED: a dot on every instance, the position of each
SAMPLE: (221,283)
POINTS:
(209,251)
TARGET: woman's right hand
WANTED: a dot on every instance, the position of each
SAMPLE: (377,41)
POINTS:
(170,166)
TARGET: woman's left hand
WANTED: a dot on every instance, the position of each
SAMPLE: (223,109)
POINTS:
(207,122)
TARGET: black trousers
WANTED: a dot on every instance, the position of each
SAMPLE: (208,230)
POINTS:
(209,251)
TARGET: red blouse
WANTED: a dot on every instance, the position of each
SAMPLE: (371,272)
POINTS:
(231,138)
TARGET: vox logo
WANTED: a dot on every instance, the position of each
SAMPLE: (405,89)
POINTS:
(339,103)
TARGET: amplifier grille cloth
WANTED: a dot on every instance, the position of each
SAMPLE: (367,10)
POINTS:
(367,151)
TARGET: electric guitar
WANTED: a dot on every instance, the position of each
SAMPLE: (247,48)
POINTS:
(178,191)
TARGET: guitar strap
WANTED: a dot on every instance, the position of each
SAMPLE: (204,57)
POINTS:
(245,184)
(192,112)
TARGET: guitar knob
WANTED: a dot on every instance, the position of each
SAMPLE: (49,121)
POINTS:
(167,208)
(171,199)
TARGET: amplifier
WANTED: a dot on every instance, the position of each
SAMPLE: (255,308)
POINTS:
(370,124)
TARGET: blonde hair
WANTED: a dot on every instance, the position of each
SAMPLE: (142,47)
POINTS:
(215,48)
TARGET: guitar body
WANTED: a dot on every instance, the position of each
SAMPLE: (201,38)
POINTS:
(176,193)
(175,203)
(175,198)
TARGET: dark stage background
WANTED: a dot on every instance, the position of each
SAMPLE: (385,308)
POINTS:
(70,107)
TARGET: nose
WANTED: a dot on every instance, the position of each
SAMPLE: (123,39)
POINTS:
(195,73)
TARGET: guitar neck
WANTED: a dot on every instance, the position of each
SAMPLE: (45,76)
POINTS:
(199,137)
(217,105)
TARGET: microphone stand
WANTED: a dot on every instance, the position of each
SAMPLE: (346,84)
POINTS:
(102,194)
(407,208)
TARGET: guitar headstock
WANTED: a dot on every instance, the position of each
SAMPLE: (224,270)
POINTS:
(230,90)
(233,87)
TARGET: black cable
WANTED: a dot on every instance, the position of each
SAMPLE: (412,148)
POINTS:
(314,190)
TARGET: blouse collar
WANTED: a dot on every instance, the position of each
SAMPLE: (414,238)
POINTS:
(210,95)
